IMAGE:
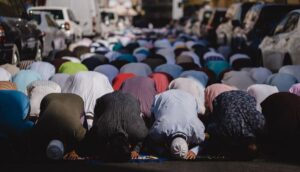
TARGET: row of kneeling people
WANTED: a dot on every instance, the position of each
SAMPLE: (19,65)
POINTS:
(229,122)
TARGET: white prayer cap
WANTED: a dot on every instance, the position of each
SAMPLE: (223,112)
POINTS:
(55,150)
(179,148)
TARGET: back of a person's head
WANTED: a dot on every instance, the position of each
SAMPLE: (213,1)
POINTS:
(119,148)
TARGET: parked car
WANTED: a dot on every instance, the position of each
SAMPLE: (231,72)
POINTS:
(86,11)
(234,14)
(65,18)
(283,47)
(19,38)
(260,21)
(54,38)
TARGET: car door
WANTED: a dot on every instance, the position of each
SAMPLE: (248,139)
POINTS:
(57,36)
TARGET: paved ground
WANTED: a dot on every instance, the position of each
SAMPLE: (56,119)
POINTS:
(170,166)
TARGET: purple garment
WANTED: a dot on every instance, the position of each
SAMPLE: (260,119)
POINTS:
(143,88)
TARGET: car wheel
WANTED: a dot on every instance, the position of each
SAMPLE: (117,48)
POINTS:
(39,50)
(15,59)
(287,60)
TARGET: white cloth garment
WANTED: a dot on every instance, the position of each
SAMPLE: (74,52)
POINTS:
(179,148)
(37,90)
(239,79)
(193,87)
(89,86)
(108,70)
(45,69)
(139,69)
(260,92)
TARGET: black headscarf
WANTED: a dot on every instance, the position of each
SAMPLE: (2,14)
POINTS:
(116,114)
(282,113)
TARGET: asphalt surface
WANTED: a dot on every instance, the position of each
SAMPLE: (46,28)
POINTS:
(166,166)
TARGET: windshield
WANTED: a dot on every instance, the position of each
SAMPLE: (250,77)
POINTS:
(57,14)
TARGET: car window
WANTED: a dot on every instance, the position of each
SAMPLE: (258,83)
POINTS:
(288,24)
(11,8)
(71,16)
(50,21)
(57,14)
(37,18)
(252,16)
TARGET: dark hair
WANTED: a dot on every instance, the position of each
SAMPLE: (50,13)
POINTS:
(118,147)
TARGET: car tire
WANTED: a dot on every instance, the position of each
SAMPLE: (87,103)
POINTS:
(15,58)
(287,60)
(39,51)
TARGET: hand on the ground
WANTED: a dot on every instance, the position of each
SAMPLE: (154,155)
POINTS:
(190,155)
(134,155)
(71,156)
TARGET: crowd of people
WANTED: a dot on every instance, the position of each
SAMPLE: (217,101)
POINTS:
(156,92)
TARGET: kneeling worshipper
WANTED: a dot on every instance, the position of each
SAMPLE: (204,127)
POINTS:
(143,89)
(89,86)
(59,128)
(282,113)
(118,131)
(14,127)
(235,125)
(177,130)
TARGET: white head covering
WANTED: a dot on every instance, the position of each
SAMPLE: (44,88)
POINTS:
(193,87)
(89,86)
(240,79)
(179,148)
(139,69)
(55,150)
(168,54)
(260,92)
(193,55)
(162,43)
(238,56)
(292,70)
(45,69)
(212,54)
(60,79)
(4,75)
(83,42)
(260,74)
(37,90)
(109,70)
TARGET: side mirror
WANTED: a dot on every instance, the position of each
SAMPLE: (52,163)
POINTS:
(236,23)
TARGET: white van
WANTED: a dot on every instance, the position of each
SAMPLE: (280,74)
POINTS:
(65,18)
(86,11)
